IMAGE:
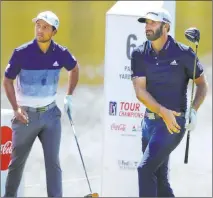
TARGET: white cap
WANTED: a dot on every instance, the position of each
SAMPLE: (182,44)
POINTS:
(160,15)
(49,17)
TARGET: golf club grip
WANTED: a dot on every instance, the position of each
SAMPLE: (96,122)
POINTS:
(187,148)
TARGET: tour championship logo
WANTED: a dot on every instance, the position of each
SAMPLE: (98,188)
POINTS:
(6,147)
(125,109)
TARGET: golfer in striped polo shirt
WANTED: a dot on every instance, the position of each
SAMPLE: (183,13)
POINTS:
(36,66)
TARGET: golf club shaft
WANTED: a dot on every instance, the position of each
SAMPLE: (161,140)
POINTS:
(71,122)
(191,102)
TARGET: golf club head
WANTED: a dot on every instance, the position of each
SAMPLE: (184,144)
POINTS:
(92,195)
(193,35)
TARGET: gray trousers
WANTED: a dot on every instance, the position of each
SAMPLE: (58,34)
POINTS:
(47,127)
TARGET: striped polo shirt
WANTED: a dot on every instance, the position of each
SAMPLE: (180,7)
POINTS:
(37,73)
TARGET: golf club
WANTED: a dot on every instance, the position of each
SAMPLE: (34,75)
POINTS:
(73,128)
(193,35)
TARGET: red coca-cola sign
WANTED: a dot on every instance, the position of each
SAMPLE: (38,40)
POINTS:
(6,147)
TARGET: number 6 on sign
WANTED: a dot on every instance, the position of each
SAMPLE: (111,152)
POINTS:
(130,46)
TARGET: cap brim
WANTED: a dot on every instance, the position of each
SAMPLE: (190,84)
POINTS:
(34,20)
(142,20)
(153,18)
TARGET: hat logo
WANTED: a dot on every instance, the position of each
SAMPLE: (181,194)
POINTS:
(56,22)
(166,20)
(45,16)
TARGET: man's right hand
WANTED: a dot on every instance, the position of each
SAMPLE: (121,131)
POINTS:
(21,115)
(170,120)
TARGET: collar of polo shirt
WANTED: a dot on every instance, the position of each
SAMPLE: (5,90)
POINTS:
(51,47)
(165,47)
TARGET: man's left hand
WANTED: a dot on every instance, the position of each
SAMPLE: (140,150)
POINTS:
(192,120)
(67,103)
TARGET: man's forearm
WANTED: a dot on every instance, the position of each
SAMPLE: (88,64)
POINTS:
(73,77)
(200,95)
(146,98)
(10,92)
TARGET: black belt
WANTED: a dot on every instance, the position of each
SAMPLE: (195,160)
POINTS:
(40,109)
(153,116)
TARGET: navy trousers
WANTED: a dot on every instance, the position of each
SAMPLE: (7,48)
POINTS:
(157,144)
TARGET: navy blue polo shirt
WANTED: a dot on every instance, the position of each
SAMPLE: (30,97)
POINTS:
(37,73)
(167,73)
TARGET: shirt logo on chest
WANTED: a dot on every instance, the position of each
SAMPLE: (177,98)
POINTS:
(173,62)
(55,64)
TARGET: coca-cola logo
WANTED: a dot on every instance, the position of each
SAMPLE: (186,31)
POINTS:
(118,127)
(6,146)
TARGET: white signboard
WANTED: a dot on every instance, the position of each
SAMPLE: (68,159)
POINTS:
(123,112)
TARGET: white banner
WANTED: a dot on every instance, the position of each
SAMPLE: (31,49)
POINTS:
(6,149)
(123,112)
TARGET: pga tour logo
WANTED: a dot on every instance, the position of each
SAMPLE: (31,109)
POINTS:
(112,108)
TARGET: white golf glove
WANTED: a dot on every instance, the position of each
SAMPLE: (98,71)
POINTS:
(193,120)
(67,103)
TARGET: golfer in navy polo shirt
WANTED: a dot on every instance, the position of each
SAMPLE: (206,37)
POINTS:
(161,69)
(36,66)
